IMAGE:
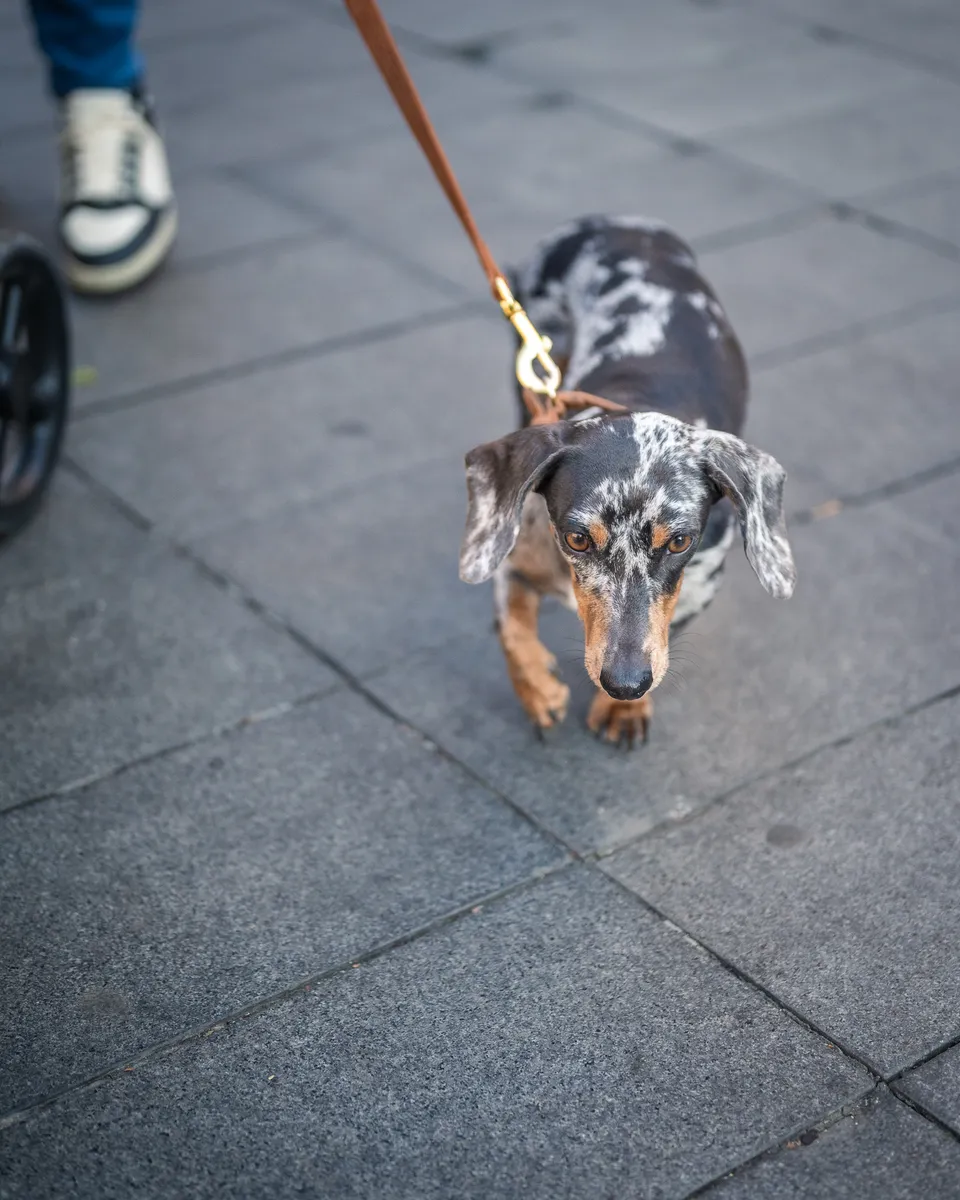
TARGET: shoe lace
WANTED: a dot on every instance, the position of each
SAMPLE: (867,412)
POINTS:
(101,154)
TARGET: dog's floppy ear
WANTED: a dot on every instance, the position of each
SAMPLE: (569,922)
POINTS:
(499,476)
(753,482)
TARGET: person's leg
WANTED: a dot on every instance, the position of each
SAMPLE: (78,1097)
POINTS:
(88,43)
(118,217)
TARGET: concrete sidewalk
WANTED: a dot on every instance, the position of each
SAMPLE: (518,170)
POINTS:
(291,900)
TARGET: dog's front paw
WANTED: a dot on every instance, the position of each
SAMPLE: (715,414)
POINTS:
(543,696)
(620,722)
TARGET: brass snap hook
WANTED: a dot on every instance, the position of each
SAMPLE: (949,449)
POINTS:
(535,348)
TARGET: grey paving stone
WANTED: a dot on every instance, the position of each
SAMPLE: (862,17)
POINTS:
(936,1087)
(111,648)
(368,572)
(26,108)
(832,885)
(931,208)
(16,47)
(525,172)
(751,78)
(880,1149)
(29,183)
(818,279)
(933,508)
(306,115)
(928,31)
(189,71)
(562,1043)
(851,419)
(456,24)
(186,888)
(741,699)
(220,455)
(622,48)
(58,543)
(238,311)
(932,34)
(891,139)
(175,19)
(218,216)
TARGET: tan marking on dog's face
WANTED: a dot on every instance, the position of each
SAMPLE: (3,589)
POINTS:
(660,536)
(657,644)
(595,614)
(599,534)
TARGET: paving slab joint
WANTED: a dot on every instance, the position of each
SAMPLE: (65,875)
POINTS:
(861,214)
(804,1136)
(722,798)
(900,1074)
(290,992)
(922,1111)
(744,977)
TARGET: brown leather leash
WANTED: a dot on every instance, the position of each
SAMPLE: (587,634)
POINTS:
(544,402)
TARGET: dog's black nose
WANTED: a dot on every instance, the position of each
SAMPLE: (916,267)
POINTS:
(626,684)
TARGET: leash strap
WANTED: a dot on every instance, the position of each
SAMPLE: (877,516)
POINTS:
(534,348)
(541,412)
(386,54)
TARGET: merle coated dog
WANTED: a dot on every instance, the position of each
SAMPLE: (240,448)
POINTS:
(627,518)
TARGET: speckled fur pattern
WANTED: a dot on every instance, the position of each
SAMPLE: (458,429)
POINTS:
(633,320)
(657,492)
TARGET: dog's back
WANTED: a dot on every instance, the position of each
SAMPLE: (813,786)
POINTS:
(632,320)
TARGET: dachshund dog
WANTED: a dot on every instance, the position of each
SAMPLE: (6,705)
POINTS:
(627,518)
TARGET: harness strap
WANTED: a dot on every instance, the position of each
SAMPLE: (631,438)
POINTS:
(544,410)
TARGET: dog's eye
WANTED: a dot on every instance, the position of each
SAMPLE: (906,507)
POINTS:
(679,543)
(577,541)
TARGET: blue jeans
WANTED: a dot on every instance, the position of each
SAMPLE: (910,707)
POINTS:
(88,43)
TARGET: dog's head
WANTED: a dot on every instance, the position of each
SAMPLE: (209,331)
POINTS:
(628,500)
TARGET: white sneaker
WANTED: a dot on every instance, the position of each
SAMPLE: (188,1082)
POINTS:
(118,216)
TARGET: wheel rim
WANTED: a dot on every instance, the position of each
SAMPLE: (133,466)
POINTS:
(33,374)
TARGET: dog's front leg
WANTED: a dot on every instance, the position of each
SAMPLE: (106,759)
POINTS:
(533,569)
(530,664)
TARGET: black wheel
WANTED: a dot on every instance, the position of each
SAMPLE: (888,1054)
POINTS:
(34,377)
